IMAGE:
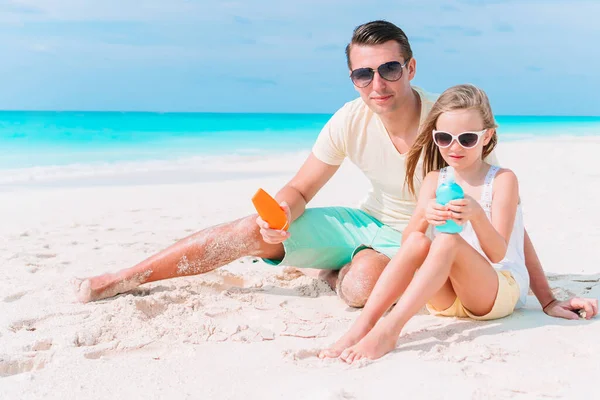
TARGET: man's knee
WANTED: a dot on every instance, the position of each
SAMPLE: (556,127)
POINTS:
(247,229)
(358,278)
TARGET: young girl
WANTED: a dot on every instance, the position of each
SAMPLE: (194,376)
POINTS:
(479,273)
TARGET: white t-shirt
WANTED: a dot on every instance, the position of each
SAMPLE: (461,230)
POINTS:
(356,132)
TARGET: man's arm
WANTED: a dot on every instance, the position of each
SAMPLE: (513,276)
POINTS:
(328,153)
(307,182)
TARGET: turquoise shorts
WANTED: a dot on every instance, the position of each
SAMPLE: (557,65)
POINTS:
(328,238)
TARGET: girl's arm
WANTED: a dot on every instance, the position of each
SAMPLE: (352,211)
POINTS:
(418,221)
(495,235)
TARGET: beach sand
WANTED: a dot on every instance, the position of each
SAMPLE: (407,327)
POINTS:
(252,331)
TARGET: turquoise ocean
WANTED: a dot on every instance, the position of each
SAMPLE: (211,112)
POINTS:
(45,139)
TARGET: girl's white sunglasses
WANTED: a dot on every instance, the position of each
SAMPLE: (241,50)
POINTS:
(467,140)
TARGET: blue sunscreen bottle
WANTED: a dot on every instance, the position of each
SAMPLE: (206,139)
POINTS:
(445,193)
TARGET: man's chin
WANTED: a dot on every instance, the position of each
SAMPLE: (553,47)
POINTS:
(383,109)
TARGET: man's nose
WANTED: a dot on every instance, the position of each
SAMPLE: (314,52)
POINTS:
(379,83)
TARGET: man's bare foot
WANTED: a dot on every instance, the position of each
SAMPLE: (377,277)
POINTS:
(310,272)
(82,289)
(329,276)
(377,343)
(95,288)
(356,333)
(104,286)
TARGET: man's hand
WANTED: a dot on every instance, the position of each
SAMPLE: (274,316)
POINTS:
(274,236)
(568,309)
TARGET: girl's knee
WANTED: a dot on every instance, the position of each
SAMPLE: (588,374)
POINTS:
(418,241)
(446,241)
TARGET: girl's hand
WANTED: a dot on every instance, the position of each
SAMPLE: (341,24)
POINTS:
(436,214)
(568,309)
(464,210)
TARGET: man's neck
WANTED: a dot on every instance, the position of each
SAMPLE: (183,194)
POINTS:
(403,123)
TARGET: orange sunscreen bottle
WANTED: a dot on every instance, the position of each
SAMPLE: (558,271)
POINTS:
(269,210)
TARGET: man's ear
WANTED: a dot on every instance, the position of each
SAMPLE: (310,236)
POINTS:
(411,67)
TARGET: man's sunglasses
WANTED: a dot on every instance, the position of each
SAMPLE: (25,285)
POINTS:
(390,71)
(467,140)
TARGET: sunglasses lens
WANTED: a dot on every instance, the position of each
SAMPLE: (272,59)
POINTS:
(361,77)
(390,71)
(442,139)
(468,139)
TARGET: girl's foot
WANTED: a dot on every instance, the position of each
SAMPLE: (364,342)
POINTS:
(351,337)
(377,343)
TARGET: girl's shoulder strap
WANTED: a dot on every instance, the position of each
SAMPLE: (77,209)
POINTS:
(488,186)
(442,176)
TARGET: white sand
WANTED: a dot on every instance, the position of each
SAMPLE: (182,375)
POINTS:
(252,331)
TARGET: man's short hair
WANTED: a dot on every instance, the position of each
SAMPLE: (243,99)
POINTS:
(379,32)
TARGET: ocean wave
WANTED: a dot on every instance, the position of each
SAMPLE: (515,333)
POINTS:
(156,171)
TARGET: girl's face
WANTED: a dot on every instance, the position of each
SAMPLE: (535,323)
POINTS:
(468,128)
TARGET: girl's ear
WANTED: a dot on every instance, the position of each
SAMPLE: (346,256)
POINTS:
(488,136)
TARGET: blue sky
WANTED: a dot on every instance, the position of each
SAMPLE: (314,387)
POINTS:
(532,57)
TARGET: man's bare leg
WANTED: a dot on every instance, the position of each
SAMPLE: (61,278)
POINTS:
(199,253)
(356,281)
(219,245)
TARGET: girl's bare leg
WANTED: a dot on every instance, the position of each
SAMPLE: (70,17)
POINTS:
(472,278)
(393,281)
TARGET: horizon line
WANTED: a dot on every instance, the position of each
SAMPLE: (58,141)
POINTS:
(251,112)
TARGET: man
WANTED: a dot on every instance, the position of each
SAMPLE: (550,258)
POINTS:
(350,246)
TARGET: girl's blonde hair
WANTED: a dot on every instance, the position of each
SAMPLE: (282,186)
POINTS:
(458,97)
